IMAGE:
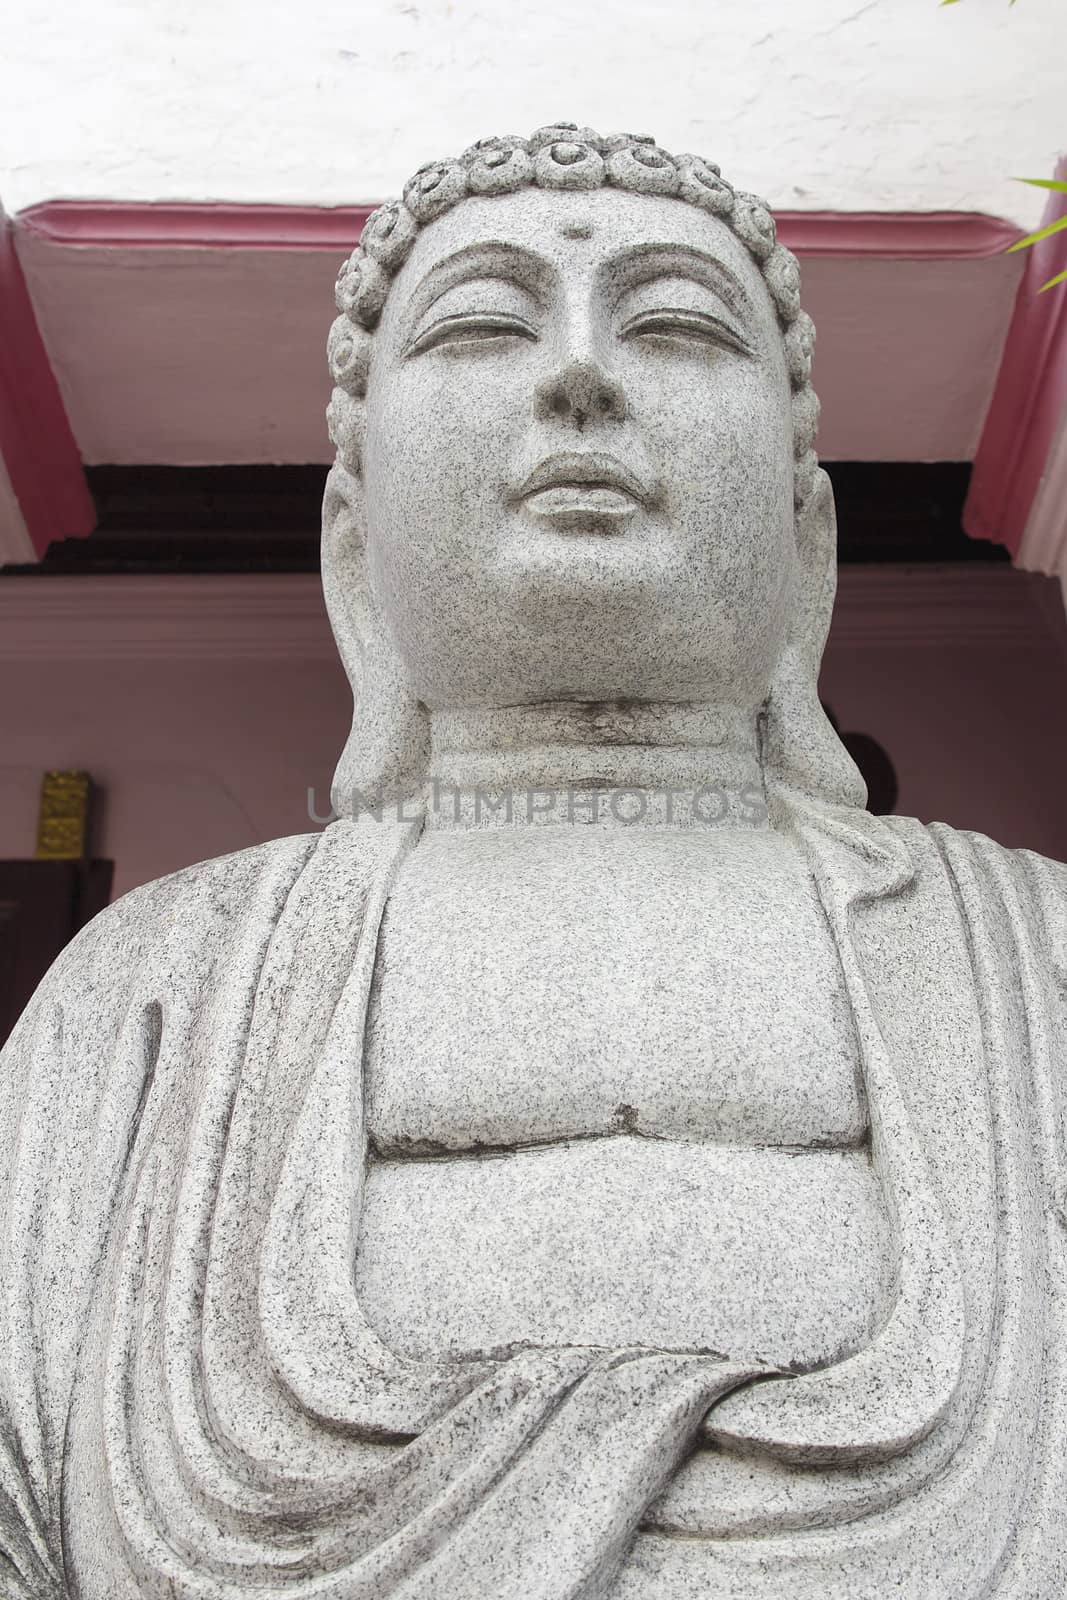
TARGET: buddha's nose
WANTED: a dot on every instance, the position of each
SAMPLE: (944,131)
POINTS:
(580,392)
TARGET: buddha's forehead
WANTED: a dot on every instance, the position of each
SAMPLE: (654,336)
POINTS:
(577,233)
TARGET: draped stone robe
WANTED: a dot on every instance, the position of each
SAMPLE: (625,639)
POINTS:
(193,1405)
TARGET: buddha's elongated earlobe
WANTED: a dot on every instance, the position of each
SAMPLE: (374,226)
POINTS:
(802,754)
(387,752)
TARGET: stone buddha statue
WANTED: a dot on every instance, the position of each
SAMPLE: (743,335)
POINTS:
(606,1160)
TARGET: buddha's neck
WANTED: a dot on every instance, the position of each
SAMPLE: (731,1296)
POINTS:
(608,762)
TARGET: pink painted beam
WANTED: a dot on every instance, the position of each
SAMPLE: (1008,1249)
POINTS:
(1029,399)
(126,291)
(211,225)
(37,447)
(896,236)
(891,236)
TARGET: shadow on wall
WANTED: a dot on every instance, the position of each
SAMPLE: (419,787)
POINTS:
(875,764)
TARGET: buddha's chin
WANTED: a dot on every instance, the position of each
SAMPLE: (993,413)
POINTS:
(580,551)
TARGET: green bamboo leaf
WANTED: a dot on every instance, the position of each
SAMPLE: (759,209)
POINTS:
(1045,183)
(1042,233)
(1052,282)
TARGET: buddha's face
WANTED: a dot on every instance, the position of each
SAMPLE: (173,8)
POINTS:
(578,459)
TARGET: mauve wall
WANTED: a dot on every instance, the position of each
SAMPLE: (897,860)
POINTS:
(205,708)
(192,760)
(962,676)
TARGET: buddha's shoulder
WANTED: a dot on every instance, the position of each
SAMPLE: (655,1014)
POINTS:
(197,912)
(970,842)
(94,978)
(1030,889)
(217,896)
(205,892)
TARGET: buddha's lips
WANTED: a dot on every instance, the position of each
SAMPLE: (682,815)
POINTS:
(577,503)
(594,477)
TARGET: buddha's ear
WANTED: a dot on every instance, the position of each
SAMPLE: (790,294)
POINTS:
(802,753)
(344,566)
(387,752)
(816,542)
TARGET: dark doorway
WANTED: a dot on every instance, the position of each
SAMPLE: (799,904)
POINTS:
(42,906)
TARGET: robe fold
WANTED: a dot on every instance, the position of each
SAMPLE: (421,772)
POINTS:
(193,1404)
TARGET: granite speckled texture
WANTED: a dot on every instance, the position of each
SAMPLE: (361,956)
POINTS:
(607,1161)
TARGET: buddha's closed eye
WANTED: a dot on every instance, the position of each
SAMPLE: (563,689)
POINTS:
(674,307)
(473,313)
(466,328)
(678,323)
(669,325)
(668,311)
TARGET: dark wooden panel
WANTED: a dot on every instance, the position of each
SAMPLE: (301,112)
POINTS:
(42,906)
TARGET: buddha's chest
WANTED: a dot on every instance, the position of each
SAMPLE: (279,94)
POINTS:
(541,985)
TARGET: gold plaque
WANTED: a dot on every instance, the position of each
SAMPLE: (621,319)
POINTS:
(63,820)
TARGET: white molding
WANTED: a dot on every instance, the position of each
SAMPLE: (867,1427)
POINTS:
(1043,547)
(168,618)
(16,546)
(935,604)
(279,617)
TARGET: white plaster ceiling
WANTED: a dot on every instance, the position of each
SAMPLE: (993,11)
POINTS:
(896,105)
